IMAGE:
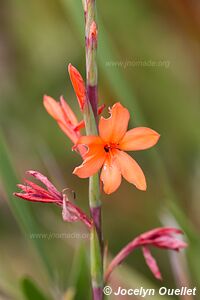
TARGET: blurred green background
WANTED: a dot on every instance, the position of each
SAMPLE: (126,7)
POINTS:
(149,60)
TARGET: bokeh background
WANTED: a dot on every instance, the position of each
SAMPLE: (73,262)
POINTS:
(149,60)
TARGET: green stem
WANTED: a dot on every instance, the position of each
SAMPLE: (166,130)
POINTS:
(96,242)
(90,115)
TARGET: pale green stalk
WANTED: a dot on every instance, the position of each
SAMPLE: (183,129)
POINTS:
(90,116)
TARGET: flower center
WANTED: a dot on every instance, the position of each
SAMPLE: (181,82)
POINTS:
(111,146)
(106,148)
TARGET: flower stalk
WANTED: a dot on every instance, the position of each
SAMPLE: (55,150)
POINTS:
(96,264)
(90,117)
(91,52)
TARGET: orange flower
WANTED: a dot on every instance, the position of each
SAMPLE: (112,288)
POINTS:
(107,151)
(64,116)
(66,119)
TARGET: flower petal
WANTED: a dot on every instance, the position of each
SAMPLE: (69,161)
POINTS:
(139,138)
(51,188)
(110,176)
(68,213)
(64,116)
(72,213)
(73,135)
(90,165)
(94,143)
(113,129)
(130,170)
(34,188)
(35,198)
(169,242)
(78,85)
(68,112)
(53,108)
(151,262)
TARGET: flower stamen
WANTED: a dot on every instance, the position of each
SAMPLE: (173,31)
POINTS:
(107,148)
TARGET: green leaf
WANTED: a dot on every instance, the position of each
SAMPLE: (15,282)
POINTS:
(80,278)
(31,290)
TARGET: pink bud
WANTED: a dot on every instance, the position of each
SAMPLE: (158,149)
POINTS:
(49,194)
(160,237)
